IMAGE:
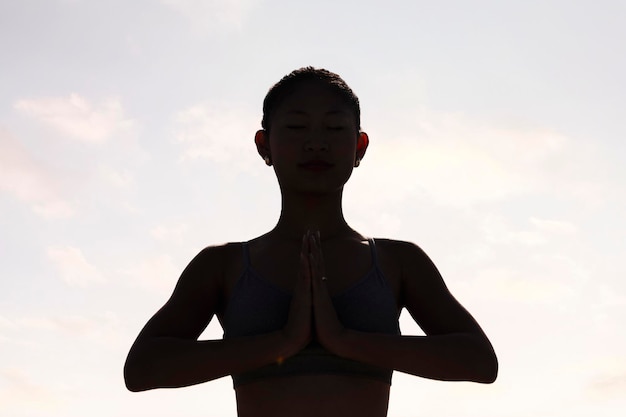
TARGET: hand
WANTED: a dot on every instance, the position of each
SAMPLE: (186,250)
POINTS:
(328,328)
(299,329)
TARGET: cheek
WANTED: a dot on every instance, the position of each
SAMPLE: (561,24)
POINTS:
(287,152)
(345,148)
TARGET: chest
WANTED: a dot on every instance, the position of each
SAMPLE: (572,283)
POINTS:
(345,265)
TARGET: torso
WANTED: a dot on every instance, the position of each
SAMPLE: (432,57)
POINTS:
(346,261)
(313,396)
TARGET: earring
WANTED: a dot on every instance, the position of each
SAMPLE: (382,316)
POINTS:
(267,160)
(357,162)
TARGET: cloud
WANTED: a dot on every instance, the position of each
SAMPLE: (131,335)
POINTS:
(221,133)
(31,181)
(526,264)
(555,227)
(55,209)
(77,117)
(173,234)
(56,190)
(608,386)
(103,330)
(5,323)
(611,297)
(19,392)
(157,274)
(605,376)
(72,266)
(512,285)
(102,327)
(206,15)
(541,231)
(117,178)
(455,161)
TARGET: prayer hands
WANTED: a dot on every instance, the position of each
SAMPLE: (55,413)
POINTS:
(328,328)
(312,311)
(299,327)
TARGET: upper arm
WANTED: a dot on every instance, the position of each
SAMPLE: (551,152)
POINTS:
(196,298)
(427,298)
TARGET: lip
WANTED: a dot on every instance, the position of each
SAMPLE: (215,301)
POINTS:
(316,167)
(317,161)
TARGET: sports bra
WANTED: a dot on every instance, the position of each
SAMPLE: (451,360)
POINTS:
(257,306)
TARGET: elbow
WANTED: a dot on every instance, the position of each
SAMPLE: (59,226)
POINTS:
(486,363)
(133,384)
(135,378)
(494,370)
(487,378)
(481,364)
(139,369)
(133,388)
(489,370)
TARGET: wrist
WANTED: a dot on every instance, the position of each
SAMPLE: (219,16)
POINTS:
(340,343)
(288,346)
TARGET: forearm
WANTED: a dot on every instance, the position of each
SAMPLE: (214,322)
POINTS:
(165,362)
(451,357)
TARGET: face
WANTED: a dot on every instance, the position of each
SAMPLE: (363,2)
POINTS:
(314,123)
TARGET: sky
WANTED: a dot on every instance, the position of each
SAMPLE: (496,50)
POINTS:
(496,144)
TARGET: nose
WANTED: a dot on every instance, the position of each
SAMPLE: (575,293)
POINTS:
(317,146)
(316,142)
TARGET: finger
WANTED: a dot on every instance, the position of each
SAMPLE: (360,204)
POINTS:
(311,239)
(306,247)
(311,242)
(321,266)
(305,243)
(315,243)
(319,255)
(312,248)
(313,265)
(304,265)
(306,261)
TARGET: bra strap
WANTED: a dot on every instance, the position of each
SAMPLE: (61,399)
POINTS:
(373,249)
(246,255)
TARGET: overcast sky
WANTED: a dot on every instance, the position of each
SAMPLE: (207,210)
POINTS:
(497,145)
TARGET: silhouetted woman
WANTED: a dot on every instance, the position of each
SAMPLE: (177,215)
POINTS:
(310,309)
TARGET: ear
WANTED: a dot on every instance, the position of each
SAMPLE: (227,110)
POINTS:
(362,141)
(261,138)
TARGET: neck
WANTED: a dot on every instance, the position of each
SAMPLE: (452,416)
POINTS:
(308,211)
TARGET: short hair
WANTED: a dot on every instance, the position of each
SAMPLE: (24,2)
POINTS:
(290,82)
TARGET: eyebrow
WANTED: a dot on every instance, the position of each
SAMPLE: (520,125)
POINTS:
(331,112)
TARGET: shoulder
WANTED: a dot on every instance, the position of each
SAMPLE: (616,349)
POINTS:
(195,299)
(417,272)
(389,250)
(207,268)
(403,252)
(408,253)
(218,254)
(393,250)
(210,258)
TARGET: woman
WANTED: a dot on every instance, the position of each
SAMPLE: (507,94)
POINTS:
(310,309)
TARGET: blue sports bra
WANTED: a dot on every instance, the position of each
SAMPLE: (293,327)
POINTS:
(257,306)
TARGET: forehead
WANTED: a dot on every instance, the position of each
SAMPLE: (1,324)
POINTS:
(313,96)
